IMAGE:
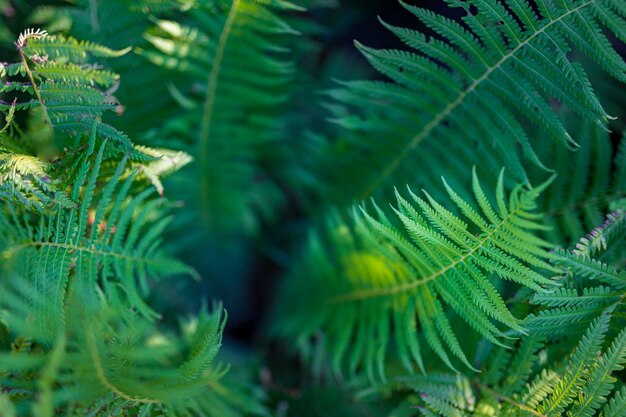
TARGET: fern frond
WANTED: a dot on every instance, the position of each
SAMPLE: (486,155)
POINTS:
(575,368)
(24,178)
(596,241)
(482,78)
(617,405)
(584,267)
(60,48)
(165,162)
(601,382)
(94,239)
(113,360)
(569,309)
(76,74)
(70,92)
(233,49)
(377,282)
(70,89)
(576,386)
(119,24)
(75,280)
(569,297)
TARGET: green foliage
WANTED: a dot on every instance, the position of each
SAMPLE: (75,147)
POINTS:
(586,185)
(518,385)
(508,59)
(24,177)
(138,131)
(377,276)
(80,245)
(233,119)
(591,284)
(119,24)
(564,366)
(112,361)
(115,241)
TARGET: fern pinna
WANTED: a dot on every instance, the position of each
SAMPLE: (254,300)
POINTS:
(592,283)
(77,260)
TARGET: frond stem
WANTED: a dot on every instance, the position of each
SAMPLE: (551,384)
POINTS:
(35,87)
(93,15)
(97,363)
(209,104)
(9,253)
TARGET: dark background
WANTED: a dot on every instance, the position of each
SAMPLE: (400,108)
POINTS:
(337,29)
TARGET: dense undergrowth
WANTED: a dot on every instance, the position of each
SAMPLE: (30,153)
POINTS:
(221,208)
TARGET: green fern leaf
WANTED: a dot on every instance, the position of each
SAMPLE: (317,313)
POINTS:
(114,361)
(65,83)
(569,309)
(376,281)
(96,248)
(617,405)
(119,24)
(575,386)
(24,178)
(601,382)
(475,81)
(244,84)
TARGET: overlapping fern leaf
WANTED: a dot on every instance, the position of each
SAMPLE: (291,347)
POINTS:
(56,74)
(594,280)
(25,178)
(588,181)
(522,385)
(375,283)
(70,94)
(234,81)
(105,240)
(119,24)
(476,81)
(102,361)
(78,336)
(95,236)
